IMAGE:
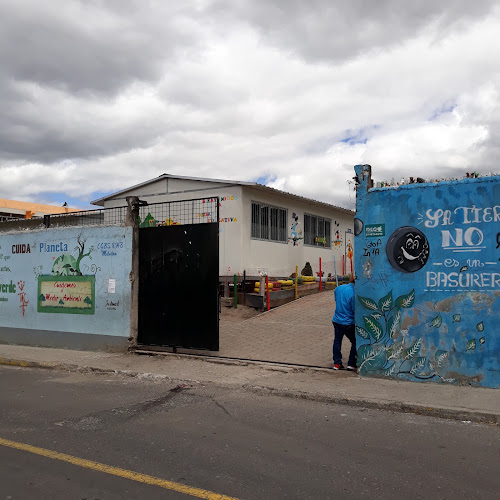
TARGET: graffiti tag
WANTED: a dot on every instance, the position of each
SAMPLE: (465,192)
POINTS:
(22,296)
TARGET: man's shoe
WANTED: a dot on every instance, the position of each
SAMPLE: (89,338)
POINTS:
(352,368)
(338,367)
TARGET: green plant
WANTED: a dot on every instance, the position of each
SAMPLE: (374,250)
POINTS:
(307,270)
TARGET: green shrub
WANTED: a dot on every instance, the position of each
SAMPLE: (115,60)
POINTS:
(307,271)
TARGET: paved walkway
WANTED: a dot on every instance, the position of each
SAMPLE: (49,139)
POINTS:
(299,332)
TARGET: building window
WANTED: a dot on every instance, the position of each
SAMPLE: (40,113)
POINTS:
(317,231)
(268,222)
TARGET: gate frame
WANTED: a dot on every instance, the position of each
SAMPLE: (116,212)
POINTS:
(132,219)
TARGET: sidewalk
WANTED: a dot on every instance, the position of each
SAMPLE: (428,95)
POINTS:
(447,401)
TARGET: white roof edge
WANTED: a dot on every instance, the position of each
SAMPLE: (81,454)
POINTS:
(262,187)
(256,185)
(100,201)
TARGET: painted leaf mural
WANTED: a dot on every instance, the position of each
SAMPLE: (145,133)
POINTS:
(373,327)
(406,300)
(437,321)
(362,333)
(385,303)
(440,357)
(482,340)
(395,351)
(376,362)
(414,349)
(394,324)
(457,318)
(365,352)
(480,327)
(388,372)
(418,364)
(368,303)
(471,345)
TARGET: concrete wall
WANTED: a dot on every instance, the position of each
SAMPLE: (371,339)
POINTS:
(428,287)
(66,287)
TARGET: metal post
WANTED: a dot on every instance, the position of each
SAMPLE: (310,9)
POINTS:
(267,290)
(244,288)
(235,290)
(335,270)
(262,288)
(296,281)
(320,275)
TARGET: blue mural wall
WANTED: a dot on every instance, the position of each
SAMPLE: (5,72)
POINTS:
(428,280)
(73,280)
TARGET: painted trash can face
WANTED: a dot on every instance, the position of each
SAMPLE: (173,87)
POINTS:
(407,249)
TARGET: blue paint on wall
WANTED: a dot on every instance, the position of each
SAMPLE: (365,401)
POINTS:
(428,287)
(58,258)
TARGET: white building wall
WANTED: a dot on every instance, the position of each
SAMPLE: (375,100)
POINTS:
(238,252)
(186,185)
(155,192)
(280,259)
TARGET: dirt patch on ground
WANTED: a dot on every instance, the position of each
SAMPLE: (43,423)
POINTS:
(241,313)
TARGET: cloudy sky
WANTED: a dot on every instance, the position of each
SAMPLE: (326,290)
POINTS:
(96,96)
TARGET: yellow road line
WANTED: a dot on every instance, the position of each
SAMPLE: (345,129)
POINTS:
(14,362)
(115,471)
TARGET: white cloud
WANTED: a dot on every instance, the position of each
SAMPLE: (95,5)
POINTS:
(227,90)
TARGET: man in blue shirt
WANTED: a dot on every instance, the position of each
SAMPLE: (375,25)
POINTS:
(343,322)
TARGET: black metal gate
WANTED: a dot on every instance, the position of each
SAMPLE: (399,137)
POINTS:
(179,274)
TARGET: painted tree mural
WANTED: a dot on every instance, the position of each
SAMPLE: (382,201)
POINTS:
(80,248)
(67,265)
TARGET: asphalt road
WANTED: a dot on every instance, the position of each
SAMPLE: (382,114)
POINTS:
(229,442)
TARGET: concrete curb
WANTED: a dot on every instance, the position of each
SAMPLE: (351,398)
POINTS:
(446,413)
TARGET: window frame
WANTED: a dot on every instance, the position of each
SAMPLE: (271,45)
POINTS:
(260,224)
(312,224)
